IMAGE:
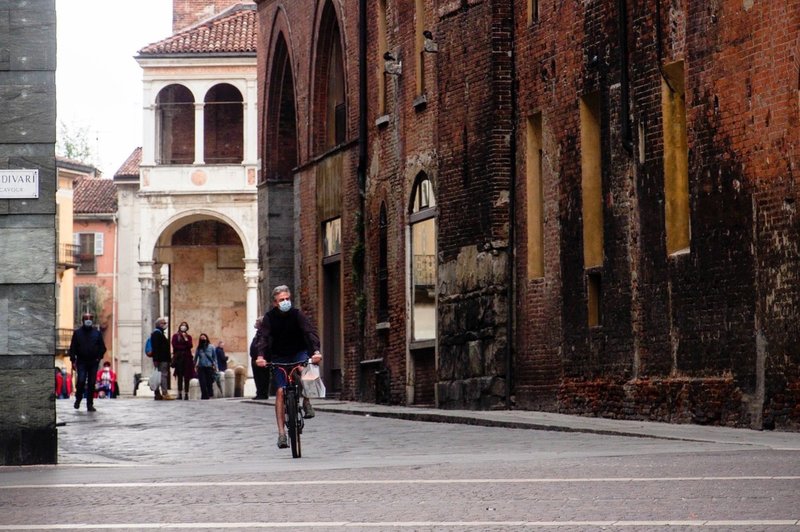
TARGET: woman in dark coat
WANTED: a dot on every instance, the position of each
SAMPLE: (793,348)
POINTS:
(182,359)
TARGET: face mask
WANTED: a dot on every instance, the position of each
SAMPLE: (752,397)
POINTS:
(183,328)
(87,323)
(285,305)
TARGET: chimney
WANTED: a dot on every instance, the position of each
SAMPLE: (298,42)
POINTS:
(188,12)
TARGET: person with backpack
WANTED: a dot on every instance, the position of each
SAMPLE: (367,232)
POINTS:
(161,358)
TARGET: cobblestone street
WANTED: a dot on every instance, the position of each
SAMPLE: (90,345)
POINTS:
(213,465)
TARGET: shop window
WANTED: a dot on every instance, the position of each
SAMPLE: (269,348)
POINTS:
(423,260)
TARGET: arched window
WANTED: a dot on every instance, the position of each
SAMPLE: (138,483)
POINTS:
(422,220)
(280,131)
(223,125)
(382,48)
(383,266)
(329,91)
(175,125)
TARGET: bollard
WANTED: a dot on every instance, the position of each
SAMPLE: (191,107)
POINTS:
(240,376)
(194,389)
(229,382)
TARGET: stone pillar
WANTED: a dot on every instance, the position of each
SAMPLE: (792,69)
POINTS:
(199,133)
(149,302)
(250,125)
(28,433)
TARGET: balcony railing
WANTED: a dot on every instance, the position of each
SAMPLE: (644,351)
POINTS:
(63,338)
(68,256)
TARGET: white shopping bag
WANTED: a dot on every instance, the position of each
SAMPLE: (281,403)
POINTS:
(155,380)
(313,387)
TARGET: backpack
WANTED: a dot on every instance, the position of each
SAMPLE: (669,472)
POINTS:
(148,347)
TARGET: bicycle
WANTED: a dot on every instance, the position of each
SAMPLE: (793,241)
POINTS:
(291,402)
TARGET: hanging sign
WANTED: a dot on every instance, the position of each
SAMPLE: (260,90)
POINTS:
(19,184)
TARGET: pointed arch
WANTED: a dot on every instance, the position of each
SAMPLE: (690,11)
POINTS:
(329,107)
(280,129)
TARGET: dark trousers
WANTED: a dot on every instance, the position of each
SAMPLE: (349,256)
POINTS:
(206,378)
(87,375)
(261,379)
(183,378)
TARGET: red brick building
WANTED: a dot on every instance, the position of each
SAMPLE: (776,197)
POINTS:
(584,207)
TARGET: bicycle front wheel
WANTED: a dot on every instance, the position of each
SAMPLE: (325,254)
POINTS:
(292,417)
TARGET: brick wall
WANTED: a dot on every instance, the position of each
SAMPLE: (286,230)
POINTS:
(708,336)
(188,12)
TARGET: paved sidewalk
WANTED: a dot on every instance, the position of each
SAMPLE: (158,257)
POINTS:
(523,419)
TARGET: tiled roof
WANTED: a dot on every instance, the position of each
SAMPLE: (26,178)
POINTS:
(94,196)
(74,164)
(130,168)
(232,31)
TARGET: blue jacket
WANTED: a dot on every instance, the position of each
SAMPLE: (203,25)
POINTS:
(205,357)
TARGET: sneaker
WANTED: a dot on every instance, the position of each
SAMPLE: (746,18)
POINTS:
(90,408)
(166,397)
(283,442)
(308,409)
(77,404)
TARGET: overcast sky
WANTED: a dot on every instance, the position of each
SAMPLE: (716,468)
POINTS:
(98,83)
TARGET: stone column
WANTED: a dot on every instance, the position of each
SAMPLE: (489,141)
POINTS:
(199,133)
(251,275)
(250,123)
(149,300)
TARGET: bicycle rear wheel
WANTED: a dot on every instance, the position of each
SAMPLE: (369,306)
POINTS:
(292,417)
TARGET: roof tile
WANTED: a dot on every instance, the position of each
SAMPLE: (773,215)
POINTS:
(94,196)
(232,31)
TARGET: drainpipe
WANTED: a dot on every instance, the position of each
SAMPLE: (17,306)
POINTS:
(512,217)
(622,14)
(362,100)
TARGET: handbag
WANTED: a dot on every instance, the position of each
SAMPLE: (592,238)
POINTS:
(155,380)
(313,387)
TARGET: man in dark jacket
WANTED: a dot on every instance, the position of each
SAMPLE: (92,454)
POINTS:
(260,374)
(287,336)
(161,357)
(86,350)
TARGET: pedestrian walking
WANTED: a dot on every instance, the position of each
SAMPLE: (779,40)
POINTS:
(86,350)
(161,358)
(205,364)
(182,360)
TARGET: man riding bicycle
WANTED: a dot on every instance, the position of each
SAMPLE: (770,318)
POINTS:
(287,336)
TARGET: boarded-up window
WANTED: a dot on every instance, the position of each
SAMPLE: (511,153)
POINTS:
(591,181)
(535,196)
(676,159)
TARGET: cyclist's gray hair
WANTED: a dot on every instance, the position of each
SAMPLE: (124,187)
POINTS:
(278,289)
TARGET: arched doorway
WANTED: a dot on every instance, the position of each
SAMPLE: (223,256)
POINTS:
(201,282)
